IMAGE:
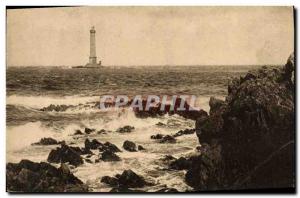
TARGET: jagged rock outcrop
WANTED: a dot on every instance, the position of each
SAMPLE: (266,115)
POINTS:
(57,108)
(68,154)
(110,147)
(189,112)
(248,139)
(47,141)
(128,179)
(28,176)
(94,144)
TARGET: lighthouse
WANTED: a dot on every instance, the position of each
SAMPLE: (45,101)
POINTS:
(93,55)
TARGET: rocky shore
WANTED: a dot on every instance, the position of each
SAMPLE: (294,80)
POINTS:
(246,141)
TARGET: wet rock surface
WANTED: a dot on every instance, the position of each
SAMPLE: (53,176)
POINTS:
(57,108)
(168,139)
(94,144)
(125,129)
(184,132)
(88,130)
(68,154)
(109,156)
(189,112)
(47,141)
(141,148)
(28,176)
(248,139)
(157,136)
(128,179)
(129,146)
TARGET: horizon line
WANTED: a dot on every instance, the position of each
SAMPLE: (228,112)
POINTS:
(268,64)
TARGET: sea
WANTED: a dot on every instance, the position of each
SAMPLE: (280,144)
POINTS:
(30,89)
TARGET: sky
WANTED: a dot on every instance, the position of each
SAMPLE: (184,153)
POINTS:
(150,35)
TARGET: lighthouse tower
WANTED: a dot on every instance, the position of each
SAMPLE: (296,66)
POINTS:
(93,56)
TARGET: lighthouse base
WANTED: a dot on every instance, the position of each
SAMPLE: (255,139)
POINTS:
(90,65)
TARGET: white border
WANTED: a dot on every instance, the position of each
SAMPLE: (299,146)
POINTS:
(4,3)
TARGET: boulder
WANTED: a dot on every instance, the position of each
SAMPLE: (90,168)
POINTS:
(28,176)
(122,182)
(157,136)
(130,179)
(125,129)
(129,146)
(184,132)
(111,147)
(168,139)
(141,148)
(46,141)
(109,156)
(66,154)
(111,181)
(94,144)
(88,130)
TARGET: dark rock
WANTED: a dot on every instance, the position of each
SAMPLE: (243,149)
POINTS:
(141,148)
(168,139)
(88,130)
(248,140)
(129,146)
(28,176)
(111,181)
(57,108)
(46,141)
(189,112)
(66,154)
(184,132)
(130,179)
(157,136)
(122,183)
(78,132)
(109,156)
(111,147)
(125,129)
(215,105)
(181,164)
(94,144)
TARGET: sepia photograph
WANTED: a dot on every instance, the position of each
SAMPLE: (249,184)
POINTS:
(150,99)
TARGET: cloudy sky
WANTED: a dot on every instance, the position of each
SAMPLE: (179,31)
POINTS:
(151,35)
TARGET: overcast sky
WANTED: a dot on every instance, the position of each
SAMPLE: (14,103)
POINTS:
(151,35)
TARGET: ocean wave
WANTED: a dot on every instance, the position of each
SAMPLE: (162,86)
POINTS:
(39,102)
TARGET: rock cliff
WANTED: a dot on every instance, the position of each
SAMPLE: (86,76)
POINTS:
(247,141)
